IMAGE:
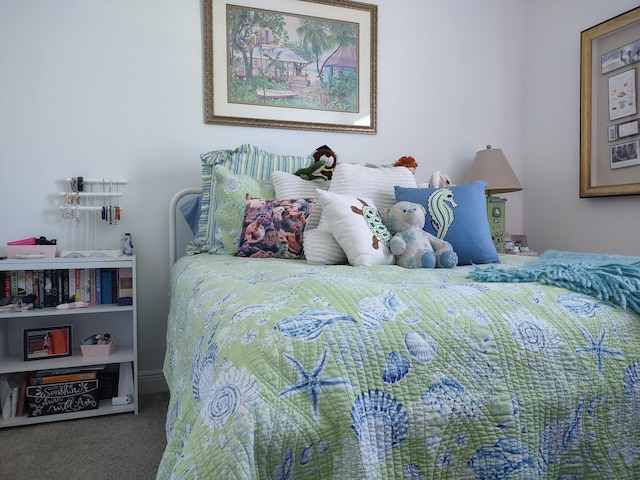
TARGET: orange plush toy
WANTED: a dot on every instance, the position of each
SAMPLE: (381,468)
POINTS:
(408,162)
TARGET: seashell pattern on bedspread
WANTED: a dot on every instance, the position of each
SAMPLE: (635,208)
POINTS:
(279,370)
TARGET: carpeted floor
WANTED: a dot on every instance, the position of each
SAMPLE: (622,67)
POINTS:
(122,446)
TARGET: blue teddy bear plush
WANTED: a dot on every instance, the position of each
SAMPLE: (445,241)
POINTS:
(412,246)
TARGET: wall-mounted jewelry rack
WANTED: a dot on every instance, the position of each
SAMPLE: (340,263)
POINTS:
(92,202)
(91,189)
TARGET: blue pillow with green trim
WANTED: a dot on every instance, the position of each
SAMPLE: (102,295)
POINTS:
(457,214)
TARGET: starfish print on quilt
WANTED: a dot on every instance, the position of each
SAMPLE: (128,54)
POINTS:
(597,348)
(312,382)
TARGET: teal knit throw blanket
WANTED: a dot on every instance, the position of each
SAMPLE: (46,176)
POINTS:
(618,283)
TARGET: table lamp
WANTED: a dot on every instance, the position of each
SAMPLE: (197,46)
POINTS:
(493,167)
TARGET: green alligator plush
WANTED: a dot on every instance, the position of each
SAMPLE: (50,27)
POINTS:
(323,166)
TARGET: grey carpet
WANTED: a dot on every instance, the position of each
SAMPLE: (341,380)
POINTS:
(122,446)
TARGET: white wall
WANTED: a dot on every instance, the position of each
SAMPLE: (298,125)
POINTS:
(113,88)
(554,215)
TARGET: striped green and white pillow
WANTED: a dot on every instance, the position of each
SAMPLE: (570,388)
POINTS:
(246,160)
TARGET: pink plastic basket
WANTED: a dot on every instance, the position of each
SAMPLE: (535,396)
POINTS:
(43,251)
(98,350)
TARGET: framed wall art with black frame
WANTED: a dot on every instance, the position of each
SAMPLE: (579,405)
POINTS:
(47,342)
(295,64)
(609,60)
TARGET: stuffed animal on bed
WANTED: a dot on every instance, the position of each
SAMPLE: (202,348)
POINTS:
(439,180)
(412,246)
(323,166)
(408,162)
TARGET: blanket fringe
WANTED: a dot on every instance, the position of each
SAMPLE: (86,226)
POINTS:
(615,283)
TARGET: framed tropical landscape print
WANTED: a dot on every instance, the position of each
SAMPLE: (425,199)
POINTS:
(296,64)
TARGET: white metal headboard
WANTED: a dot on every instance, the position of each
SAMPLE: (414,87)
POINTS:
(179,232)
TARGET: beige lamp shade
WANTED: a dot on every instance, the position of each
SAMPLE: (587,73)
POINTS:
(493,167)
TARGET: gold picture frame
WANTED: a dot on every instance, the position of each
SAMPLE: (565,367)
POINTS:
(294,64)
(609,58)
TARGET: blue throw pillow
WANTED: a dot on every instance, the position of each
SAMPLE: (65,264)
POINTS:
(457,214)
(190,210)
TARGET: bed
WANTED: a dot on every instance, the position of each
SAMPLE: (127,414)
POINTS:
(283,368)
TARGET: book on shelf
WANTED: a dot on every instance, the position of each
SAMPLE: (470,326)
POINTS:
(28,282)
(125,286)
(92,286)
(12,395)
(66,294)
(107,285)
(56,281)
(48,289)
(98,286)
(78,285)
(35,287)
(62,378)
(84,285)
(67,371)
(22,282)
(14,283)
(41,288)
(6,283)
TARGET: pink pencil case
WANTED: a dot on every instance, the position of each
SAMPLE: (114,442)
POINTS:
(26,241)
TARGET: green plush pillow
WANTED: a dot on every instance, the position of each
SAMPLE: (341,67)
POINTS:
(231,191)
(246,160)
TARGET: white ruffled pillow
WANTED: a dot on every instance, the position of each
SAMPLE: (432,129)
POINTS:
(365,242)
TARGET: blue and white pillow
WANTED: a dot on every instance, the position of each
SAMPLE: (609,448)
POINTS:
(457,214)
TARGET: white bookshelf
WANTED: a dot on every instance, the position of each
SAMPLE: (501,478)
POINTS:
(119,321)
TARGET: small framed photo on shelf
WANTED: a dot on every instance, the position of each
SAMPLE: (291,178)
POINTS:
(48,342)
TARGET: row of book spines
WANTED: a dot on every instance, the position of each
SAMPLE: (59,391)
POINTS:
(53,287)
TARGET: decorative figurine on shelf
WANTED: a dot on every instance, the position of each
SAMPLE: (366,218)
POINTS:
(127,248)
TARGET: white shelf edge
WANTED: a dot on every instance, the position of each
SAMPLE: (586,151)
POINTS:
(105,408)
(52,311)
(65,262)
(16,364)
